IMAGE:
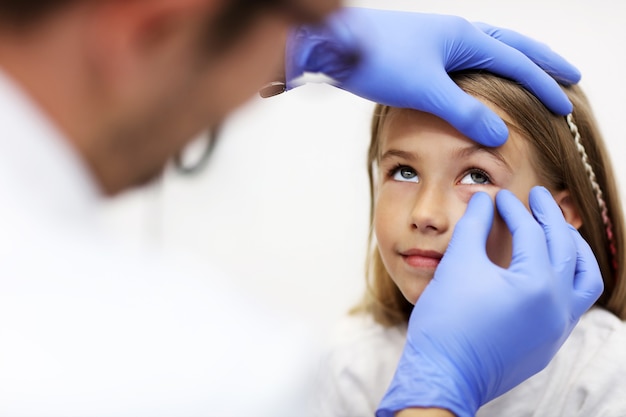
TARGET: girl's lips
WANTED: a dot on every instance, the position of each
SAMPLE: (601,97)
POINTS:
(418,258)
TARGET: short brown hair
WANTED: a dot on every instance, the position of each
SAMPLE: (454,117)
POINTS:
(25,12)
(236,12)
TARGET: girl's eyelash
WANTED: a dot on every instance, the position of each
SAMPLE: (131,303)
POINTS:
(480,171)
(392,171)
(395,168)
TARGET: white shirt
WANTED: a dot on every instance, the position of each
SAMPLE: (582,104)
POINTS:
(587,377)
(90,329)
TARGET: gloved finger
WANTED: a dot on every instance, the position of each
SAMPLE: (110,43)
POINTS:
(465,113)
(541,54)
(529,243)
(471,231)
(588,284)
(561,247)
(511,63)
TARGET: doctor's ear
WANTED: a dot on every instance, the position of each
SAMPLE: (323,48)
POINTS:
(125,35)
(569,210)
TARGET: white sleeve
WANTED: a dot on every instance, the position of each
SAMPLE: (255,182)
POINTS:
(87,331)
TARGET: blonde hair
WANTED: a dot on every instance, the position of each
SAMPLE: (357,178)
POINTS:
(559,165)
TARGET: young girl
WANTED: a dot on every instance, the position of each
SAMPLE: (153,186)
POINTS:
(422,174)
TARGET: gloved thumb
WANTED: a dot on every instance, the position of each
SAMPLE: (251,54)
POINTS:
(470,235)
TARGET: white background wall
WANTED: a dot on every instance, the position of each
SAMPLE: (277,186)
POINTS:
(283,205)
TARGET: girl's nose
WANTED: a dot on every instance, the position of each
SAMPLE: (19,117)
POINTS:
(429,213)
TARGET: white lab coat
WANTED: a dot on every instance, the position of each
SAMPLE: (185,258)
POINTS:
(90,329)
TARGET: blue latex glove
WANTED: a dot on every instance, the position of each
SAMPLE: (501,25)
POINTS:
(478,330)
(401,59)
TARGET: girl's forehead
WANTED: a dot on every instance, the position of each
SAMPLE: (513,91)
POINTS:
(406,121)
(406,126)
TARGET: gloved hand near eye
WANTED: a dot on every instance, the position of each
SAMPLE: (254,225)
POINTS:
(402,59)
(478,329)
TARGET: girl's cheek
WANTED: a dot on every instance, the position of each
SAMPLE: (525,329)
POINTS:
(500,243)
(466,192)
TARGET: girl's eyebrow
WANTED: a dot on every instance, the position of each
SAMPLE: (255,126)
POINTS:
(398,153)
(470,150)
(463,152)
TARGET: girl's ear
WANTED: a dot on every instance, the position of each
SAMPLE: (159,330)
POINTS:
(570,212)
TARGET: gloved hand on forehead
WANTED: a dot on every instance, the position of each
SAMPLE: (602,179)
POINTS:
(402,59)
(479,330)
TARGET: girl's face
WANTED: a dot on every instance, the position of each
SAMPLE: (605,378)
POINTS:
(427,173)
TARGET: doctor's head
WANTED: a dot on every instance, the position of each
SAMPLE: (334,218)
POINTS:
(423,173)
(130,82)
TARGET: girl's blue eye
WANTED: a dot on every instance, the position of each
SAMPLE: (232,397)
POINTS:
(476,177)
(405,174)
